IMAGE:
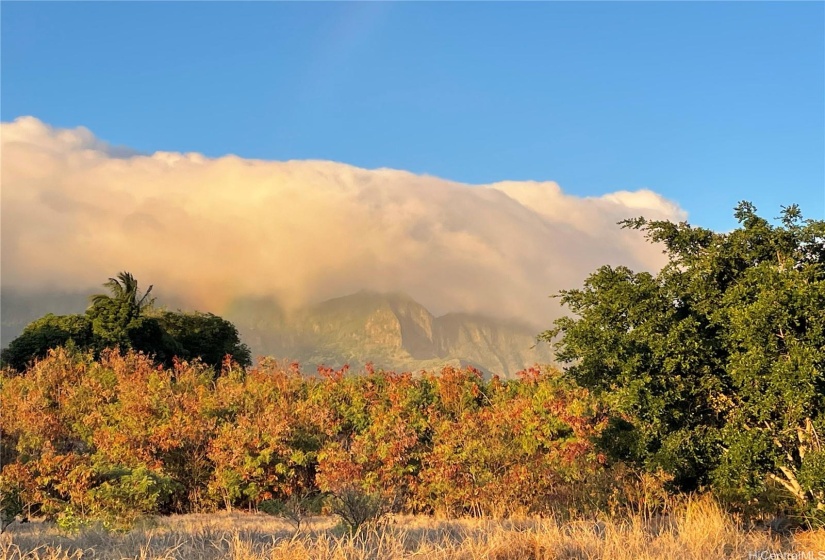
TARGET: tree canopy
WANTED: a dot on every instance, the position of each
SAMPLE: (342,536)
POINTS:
(50,331)
(713,368)
(125,319)
(205,336)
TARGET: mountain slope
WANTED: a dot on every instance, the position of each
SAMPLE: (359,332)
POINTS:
(390,330)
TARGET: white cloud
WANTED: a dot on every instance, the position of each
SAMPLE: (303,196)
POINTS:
(76,210)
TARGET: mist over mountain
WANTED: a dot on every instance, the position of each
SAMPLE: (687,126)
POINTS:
(211,231)
(261,243)
(391,330)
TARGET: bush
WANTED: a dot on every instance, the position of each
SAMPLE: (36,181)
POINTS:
(126,495)
(358,508)
(11,505)
(294,509)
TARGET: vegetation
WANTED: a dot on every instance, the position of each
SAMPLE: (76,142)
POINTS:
(205,337)
(706,377)
(696,529)
(712,370)
(51,331)
(111,439)
(124,319)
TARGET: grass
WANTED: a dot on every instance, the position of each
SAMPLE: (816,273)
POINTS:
(699,529)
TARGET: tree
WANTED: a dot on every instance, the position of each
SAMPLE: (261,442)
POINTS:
(125,291)
(50,331)
(713,368)
(205,336)
(114,316)
(124,319)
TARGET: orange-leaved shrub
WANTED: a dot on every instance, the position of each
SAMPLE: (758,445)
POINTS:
(118,437)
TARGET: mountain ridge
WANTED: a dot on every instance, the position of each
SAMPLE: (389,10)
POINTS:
(390,330)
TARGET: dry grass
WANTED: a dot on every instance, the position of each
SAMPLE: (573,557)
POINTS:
(699,530)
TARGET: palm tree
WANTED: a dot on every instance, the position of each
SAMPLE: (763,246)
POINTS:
(124,292)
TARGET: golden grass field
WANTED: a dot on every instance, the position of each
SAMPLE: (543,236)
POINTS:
(698,529)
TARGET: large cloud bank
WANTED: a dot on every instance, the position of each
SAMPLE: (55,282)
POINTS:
(76,211)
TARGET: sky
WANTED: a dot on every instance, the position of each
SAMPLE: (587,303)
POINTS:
(211,231)
(475,156)
(703,103)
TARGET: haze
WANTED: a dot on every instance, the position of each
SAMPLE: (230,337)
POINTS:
(207,230)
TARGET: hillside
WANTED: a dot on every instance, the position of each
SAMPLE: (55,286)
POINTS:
(391,330)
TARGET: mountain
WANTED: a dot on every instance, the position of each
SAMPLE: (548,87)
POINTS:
(392,331)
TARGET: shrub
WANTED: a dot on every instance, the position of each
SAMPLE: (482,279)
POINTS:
(358,508)
(295,509)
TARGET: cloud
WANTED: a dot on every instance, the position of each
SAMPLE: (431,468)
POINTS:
(76,211)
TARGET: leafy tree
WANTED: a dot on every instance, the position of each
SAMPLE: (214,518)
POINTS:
(116,317)
(124,319)
(378,434)
(205,336)
(525,450)
(713,368)
(147,335)
(125,293)
(44,334)
(267,446)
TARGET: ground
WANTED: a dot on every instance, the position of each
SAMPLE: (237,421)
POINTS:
(699,530)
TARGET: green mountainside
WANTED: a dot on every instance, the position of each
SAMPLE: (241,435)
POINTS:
(391,330)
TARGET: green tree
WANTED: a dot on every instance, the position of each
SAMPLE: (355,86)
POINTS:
(50,331)
(115,314)
(205,336)
(124,319)
(121,320)
(712,367)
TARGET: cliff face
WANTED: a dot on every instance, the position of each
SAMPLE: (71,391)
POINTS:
(390,330)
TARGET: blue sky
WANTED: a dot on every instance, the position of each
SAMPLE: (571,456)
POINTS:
(705,103)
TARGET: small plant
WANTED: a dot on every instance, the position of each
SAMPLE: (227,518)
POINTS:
(70,522)
(358,508)
(294,509)
(10,506)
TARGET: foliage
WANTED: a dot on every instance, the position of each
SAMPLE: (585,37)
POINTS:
(124,495)
(47,332)
(116,318)
(205,336)
(124,319)
(712,368)
(117,437)
(520,447)
(11,505)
